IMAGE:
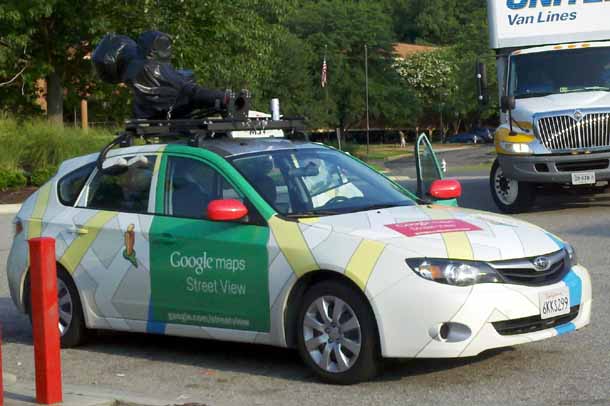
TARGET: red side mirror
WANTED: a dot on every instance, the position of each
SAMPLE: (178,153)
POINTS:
(226,210)
(445,189)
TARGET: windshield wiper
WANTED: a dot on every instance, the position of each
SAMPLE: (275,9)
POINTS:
(379,207)
(313,213)
(589,89)
(535,94)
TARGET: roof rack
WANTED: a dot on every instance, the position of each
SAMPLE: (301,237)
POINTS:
(194,131)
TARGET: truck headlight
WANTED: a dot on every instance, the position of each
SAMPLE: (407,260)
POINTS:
(516,147)
(454,272)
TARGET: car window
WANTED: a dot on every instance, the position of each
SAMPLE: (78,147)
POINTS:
(318,182)
(268,179)
(191,185)
(127,192)
(70,186)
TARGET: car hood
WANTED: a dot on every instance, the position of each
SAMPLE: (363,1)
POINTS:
(526,108)
(435,231)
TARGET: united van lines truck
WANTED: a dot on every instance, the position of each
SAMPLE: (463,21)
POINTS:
(553,67)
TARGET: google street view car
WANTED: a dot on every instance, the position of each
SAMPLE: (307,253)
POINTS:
(215,230)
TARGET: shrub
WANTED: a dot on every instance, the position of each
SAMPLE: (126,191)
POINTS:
(36,148)
(12,178)
(40,176)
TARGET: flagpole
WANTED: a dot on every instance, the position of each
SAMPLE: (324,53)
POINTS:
(366,81)
(325,66)
(326,84)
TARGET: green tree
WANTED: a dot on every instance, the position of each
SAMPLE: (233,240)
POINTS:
(432,75)
(227,44)
(340,30)
(50,38)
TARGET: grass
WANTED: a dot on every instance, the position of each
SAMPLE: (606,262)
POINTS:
(376,152)
(33,149)
(485,166)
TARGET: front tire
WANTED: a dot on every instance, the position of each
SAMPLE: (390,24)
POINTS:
(510,195)
(337,334)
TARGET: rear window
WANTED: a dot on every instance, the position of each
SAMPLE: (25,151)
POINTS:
(70,186)
(127,192)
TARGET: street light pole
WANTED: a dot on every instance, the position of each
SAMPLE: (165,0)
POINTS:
(366,84)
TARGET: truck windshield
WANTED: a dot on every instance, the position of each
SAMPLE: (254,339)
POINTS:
(566,71)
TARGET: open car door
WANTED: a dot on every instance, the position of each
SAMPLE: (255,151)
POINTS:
(431,185)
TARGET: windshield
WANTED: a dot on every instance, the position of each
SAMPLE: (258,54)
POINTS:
(567,71)
(318,182)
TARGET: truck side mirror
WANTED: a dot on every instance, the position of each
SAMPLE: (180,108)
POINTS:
(507,103)
(481,76)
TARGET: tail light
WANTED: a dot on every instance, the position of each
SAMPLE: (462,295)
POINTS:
(18,226)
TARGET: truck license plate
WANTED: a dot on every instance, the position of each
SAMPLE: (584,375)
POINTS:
(583,178)
(554,303)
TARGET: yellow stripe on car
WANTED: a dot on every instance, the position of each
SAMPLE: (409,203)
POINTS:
(42,201)
(293,245)
(458,244)
(311,220)
(363,262)
(77,250)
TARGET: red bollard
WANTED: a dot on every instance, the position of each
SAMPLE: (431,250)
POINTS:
(45,320)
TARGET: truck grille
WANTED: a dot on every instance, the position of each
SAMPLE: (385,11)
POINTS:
(565,132)
(524,272)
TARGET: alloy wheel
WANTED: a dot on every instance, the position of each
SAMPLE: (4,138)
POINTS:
(66,307)
(332,334)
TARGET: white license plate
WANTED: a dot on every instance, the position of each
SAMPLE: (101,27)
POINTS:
(583,178)
(554,303)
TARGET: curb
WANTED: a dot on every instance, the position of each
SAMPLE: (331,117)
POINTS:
(399,178)
(9,379)
(10,208)
(397,157)
(24,394)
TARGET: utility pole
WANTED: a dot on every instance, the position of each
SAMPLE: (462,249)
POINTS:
(366,85)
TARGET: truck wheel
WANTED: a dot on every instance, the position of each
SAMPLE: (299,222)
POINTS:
(337,334)
(510,195)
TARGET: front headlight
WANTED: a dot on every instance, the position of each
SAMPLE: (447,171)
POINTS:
(454,272)
(516,147)
(571,254)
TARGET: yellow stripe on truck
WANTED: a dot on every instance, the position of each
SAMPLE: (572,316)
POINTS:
(79,247)
(363,262)
(457,244)
(40,207)
(291,242)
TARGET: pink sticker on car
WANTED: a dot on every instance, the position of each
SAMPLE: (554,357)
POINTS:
(417,228)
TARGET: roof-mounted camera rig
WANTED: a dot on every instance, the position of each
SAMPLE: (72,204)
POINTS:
(169,106)
(238,123)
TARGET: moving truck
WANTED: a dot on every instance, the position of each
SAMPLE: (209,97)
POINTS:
(553,68)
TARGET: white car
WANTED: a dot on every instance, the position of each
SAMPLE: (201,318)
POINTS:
(293,244)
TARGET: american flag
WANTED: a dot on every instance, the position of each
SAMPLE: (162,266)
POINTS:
(324,78)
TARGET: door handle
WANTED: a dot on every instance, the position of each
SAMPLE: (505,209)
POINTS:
(167,239)
(78,230)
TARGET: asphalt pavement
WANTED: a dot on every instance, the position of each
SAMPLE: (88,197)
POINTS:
(573,369)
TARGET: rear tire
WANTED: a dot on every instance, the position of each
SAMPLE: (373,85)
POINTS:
(337,334)
(510,195)
(72,328)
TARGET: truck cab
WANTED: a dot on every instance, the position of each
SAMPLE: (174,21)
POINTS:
(554,97)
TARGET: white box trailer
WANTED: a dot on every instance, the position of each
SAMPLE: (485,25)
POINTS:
(527,23)
(553,67)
